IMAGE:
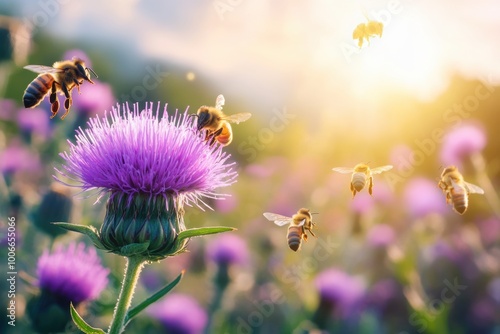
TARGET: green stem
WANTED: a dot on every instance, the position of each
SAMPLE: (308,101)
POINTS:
(132,272)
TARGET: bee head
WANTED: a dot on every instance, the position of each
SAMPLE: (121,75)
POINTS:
(204,117)
(449,169)
(83,71)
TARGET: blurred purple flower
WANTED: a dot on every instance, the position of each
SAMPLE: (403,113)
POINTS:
(381,293)
(73,274)
(180,314)
(16,158)
(70,54)
(462,142)
(362,203)
(494,290)
(483,312)
(380,235)
(423,197)
(228,249)
(94,98)
(489,230)
(344,292)
(7,109)
(140,153)
(34,121)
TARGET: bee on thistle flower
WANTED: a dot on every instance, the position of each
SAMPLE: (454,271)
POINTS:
(150,166)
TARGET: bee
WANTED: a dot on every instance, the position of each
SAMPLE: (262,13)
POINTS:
(62,77)
(456,189)
(367,30)
(216,123)
(299,224)
(361,174)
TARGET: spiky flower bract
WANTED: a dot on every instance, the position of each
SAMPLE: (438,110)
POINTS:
(151,166)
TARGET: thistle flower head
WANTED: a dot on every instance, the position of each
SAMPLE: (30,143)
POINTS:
(180,314)
(66,275)
(150,166)
(340,291)
(16,158)
(228,249)
(34,121)
(73,274)
(381,235)
(462,142)
(141,153)
(423,197)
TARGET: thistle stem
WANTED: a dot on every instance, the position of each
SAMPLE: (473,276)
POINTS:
(132,272)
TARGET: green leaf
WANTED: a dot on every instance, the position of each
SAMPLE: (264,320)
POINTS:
(197,232)
(136,310)
(89,231)
(81,324)
(134,249)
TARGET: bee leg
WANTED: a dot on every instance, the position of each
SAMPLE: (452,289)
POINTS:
(77,84)
(67,102)
(312,233)
(370,186)
(353,190)
(214,135)
(53,100)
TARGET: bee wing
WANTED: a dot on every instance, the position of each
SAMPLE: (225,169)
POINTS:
(277,219)
(381,169)
(343,170)
(473,189)
(42,69)
(237,118)
(220,101)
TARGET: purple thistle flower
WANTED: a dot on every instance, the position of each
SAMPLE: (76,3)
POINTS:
(72,274)
(141,153)
(381,235)
(16,158)
(423,197)
(462,142)
(180,314)
(342,292)
(228,249)
(151,166)
(7,109)
(381,293)
(34,121)
(362,204)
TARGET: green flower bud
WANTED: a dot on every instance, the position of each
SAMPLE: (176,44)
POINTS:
(143,225)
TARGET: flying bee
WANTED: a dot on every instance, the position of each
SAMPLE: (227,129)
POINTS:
(367,30)
(299,224)
(62,77)
(216,123)
(456,189)
(362,174)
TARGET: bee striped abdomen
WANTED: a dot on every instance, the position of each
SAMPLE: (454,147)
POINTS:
(295,237)
(460,201)
(36,90)
(358,181)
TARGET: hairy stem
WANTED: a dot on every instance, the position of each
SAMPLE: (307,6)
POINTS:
(132,272)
